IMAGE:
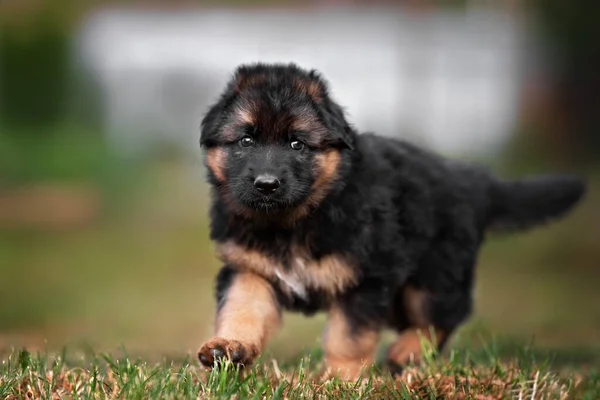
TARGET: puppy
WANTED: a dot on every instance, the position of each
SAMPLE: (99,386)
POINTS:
(307,215)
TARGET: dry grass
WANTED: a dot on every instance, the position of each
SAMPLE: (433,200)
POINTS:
(55,376)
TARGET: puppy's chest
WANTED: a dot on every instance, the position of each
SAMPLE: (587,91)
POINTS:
(297,273)
(295,276)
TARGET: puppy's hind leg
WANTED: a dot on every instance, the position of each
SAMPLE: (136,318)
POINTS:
(417,329)
(409,345)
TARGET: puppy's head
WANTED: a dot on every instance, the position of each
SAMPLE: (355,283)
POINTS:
(275,142)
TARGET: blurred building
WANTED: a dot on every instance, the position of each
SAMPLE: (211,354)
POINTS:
(448,79)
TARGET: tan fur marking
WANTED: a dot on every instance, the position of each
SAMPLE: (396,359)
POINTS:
(243,81)
(312,88)
(215,160)
(347,353)
(415,303)
(331,274)
(325,169)
(245,116)
(326,166)
(245,259)
(407,347)
(302,124)
(249,314)
(308,123)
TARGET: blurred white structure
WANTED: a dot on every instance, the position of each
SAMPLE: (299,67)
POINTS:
(448,79)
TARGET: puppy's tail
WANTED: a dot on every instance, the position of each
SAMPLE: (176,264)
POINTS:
(531,201)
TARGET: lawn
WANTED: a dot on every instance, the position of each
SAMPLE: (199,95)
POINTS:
(460,374)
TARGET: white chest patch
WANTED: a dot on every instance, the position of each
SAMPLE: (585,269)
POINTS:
(292,280)
(294,284)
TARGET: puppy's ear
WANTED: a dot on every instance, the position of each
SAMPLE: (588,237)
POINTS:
(244,75)
(340,131)
(211,123)
(247,75)
(209,127)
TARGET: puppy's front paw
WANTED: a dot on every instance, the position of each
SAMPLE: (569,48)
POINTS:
(218,348)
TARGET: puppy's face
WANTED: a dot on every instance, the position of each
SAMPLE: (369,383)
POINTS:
(274,141)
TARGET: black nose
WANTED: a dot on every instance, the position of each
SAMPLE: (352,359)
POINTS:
(266,184)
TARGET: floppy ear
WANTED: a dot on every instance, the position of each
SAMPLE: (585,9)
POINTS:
(341,133)
(209,127)
(340,130)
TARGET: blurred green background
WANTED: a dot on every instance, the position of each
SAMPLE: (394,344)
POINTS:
(103,248)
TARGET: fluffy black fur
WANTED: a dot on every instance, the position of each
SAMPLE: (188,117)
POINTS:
(402,214)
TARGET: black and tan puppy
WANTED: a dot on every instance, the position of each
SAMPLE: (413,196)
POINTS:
(307,215)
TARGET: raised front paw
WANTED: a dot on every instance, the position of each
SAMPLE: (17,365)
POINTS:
(218,348)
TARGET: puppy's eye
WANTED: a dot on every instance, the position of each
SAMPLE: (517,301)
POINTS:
(297,145)
(246,141)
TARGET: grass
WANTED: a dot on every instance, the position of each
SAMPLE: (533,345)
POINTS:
(461,374)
